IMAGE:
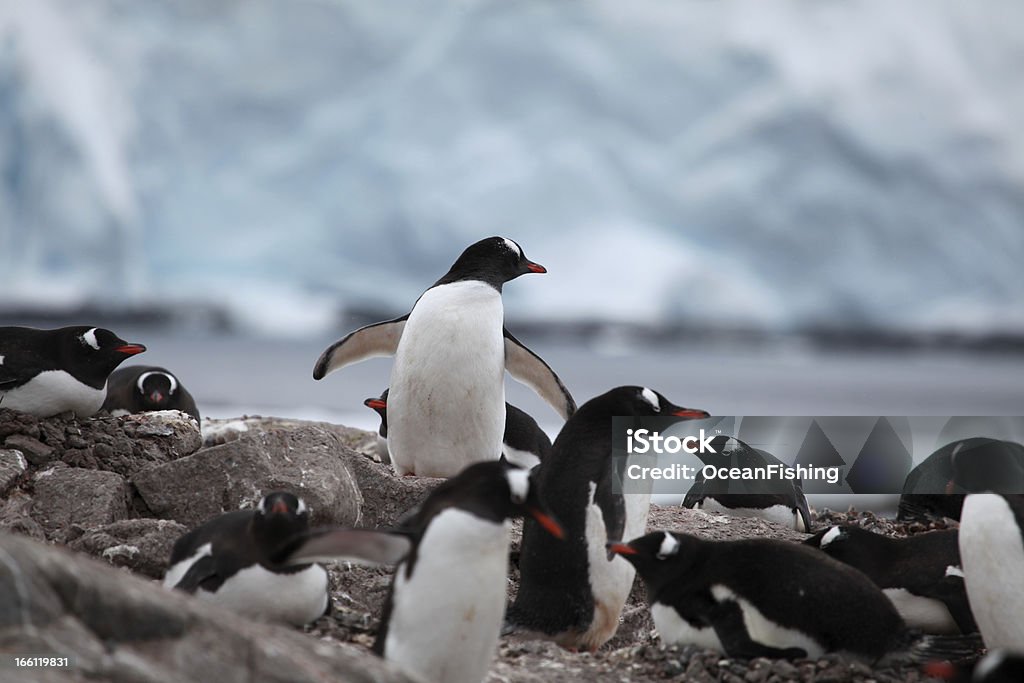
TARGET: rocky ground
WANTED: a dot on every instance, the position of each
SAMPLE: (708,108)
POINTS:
(123,489)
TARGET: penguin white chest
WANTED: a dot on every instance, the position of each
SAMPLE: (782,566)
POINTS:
(446,406)
(446,617)
(52,392)
(992,553)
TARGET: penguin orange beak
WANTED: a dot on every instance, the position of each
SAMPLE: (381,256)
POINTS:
(536,267)
(130,349)
(375,403)
(156,397)
(621,549)
(691,413)
(280,508)
(548,522)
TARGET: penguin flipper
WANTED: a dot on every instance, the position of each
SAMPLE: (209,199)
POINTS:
(731,630)
(527,367)
(202,574)
(365,546)
(378,339)
(613,509)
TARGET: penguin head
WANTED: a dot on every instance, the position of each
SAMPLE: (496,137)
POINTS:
(831,540)
(645,402)
(494,489)
(94,350)
(983,464)
(380,406)
(280,514)
(494,260)
(659,557)
(156,389)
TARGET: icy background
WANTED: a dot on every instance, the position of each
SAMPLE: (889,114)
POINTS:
(773,165)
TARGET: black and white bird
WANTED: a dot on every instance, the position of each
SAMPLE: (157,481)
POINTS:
(443,616)
(992,549)
(143,388)
(776,500)
(446,403)
(920,574)
(937,486)
(48,372)
(524,443)
(769,598)
(573,592)
(228,561)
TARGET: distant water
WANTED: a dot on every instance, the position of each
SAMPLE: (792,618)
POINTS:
(233,375)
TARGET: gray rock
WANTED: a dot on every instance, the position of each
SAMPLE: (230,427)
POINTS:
(12,466)
(70,497)
(16,516)
(142,545)
(34,450)
(121,628)
(303,459)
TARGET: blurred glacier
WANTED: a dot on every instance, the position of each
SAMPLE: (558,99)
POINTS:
(775,165)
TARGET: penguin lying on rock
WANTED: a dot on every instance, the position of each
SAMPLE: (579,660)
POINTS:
(142,388)
(721,595)
(920,574)
(573,592)
(446,403)
(443,615)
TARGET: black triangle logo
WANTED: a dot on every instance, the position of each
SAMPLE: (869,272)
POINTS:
(883,462)
(818,451)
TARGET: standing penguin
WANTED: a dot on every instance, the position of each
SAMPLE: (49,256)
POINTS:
(727,596)
(446,403)
(920,574)
(47,372)
(573,592)
(992,549)
(142,388)
(443,616)
(777,500)
(524,442)
(227,560)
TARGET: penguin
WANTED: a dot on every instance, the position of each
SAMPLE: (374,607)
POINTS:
(776,500)
(920,574)
(446,402)
(937,486)
(443,615)
(573,592)
(997,666)
(142,388)
(992,549)
(524,443)
(228,561)
(721,595)
(380,406)
(48,372)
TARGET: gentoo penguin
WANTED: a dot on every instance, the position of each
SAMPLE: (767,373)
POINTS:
(142,388)
(992,549)
(380,406)
(446,403)
(776,500)
(997,666)
(227,560)
(721,595)
(47,372)
(443,616)
(572,592)
(524,442)
(920,574)
(937,486)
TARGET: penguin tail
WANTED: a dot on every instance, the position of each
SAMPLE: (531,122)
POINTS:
(930,649)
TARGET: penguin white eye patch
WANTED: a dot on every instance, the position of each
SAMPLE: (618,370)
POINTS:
(89,338)
(143,376)
(652,398)
(669,547)
(515,248)
(518,484)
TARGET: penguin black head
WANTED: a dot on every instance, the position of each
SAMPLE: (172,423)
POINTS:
(494,260)
(278,515)
(380,406)
(982,464)
(93,352)
(156,389)
(659,557)
(496,490)
(833,540)
(644,402)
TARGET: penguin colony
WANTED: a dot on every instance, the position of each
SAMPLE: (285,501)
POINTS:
(918,599)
